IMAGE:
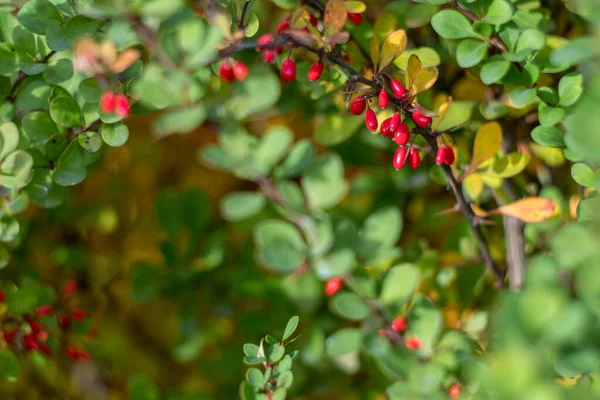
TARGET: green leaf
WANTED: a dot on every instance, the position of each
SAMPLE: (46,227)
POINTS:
(65,112)
(59,71)
(344,341)
(145,281)
(530,40)
(80,25)
(140,387)
(426,323)
(38,126)
(237,206)
(549,116)
(255,378)
(399,284)
(521,96)
(279,245)
(275,352)
(570,89)
(381,230)
(181,120)
(583,175)
(575,51)
(494,70)
(257,93)
(252,25)
(18,168)
(115,135)
(39,15)
(507,166)
(91,141)
(428,56)
(350,306)
(297,160)
(9,366)
(451,24)
(290,328)
(470,52)
(335,263)
(499,12)
(549,136)
(324,183)
(337,128)
(9,139)
(273,146)
(57,38)
(8,60)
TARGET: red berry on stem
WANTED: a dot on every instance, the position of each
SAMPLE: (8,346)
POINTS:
(42,336)
(421,120)
(395,122)
(413,343)
(264,39)
(414,159)
(355,18)
(9,336)
(440,155)
(64,321)
(284,24)
(269,56)
(400,158)
(122,107)
(332,286)
(399,324)
(46,350)
(383,98)
(371,120)
(398,88)
(2,296)
(315,70)
(313,20)
(108,102)
(385,129)
(226,72)
(42,311)
(78,314)
(35,326)
(402,134)
(454,391)
(358,105)
(449,155)
(240,70)
(70,288)
(288,70)
(30,342)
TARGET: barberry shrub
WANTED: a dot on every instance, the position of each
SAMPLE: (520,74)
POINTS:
(417,179)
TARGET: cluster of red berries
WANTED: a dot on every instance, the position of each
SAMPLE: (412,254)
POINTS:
(397,130)
(117,103)
(32,334)
(228,72)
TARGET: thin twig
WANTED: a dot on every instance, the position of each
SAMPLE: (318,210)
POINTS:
(12,94)
(241,24)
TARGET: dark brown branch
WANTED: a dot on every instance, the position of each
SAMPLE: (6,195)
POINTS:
(241,22)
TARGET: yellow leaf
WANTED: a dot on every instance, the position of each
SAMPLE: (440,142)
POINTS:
(355,7)
(393,46)
(487,143)
(473,184)
(491,181)
(374,51)
(532,209)
(478,211)
(507,166)
(335,17)
(419,79)
(413,66)
(442,111)
(384,25)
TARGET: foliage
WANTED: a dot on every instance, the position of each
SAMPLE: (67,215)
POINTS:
(126,269)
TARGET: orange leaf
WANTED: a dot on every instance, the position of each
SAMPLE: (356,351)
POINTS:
(532,209)
(335,17)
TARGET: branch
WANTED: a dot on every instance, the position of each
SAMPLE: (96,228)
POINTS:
(12,94)
(241,24)
(494,40)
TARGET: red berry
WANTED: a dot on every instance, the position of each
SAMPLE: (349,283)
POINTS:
(315,70)
(264,39)
(440,155)
(42,311)
(2,296)
(288,70)
(77,355)
(421,120)
(283,25)
(226,72)
(42,336)
(108,102)
(70,288)
(414,159)
(399,324)
(269,56)
(240,70)
(395,122)
(449,155)
(371,120)
(30,342)
(385,129)
(400,158)
(358,105)
(454,391)
(9,336)
(64,321)
(383,98)
(398,88)
(46,350)
(413,343)
(355,18)
(35,326)
(332,286)
(402,134)
(122,107)
(313,20)
(78,314)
